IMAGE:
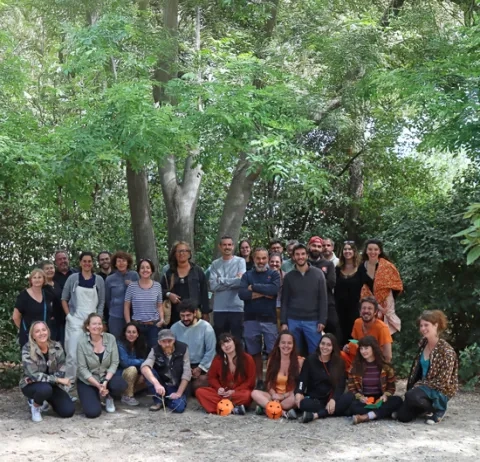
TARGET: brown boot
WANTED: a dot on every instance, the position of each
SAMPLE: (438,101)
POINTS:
(360,418)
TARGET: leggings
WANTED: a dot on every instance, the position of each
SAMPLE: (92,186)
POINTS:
(318,405)
(416,402)
(54,395)
(90,397)
(392,404)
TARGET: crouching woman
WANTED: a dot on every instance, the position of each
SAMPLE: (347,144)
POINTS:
(44,374)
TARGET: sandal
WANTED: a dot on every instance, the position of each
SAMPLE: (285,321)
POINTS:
(155,407)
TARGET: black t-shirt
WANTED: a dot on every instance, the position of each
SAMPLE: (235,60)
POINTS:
(32,311)
(55,292)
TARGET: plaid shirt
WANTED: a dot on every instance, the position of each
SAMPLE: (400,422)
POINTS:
(36,370)
(387,381)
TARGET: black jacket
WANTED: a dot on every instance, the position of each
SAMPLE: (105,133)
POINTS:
(170,371)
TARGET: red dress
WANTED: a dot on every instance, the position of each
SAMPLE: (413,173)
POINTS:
(208,397)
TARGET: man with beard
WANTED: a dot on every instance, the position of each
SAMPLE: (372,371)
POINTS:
(199,336)
(368,324)
(258,289)
(304,308)
(167,372)
(316,258)
(225,276)
(63,270)
(328,252)
(105,265)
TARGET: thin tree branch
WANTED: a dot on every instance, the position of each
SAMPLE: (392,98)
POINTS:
(350,162)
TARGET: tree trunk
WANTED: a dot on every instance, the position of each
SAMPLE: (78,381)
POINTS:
(238,196)
(355,193)
(142,225)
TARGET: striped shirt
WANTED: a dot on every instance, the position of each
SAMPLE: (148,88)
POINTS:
(144,301)
(371,380)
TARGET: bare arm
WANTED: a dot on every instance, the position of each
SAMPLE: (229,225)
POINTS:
(17,317)
(387,352)
(126,311)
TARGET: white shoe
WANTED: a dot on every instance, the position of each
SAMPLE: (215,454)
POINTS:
(36,412)
(109,405)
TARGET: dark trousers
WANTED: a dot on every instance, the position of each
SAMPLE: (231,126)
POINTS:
(227,321)
(416,402)
(333,323)
(318,405)
(90,397)
(150,333)
(175,405)
(392,404)
(54,395)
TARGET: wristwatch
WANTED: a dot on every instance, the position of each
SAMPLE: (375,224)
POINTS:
(168,294)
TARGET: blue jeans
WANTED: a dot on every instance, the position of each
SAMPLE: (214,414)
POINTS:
(116,326)
(309,331)
(150,333)
(176,405)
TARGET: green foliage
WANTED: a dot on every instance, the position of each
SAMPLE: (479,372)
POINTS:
(472,233)
(469,366)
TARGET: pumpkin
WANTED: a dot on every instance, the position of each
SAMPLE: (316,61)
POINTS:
(224,407)
(370,400)
(274,410)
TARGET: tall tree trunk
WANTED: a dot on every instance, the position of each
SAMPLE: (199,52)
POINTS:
(238,196)
(142,225)
(356,193)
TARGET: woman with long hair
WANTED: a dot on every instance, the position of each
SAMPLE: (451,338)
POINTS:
(143,303)
(321,385)
(433,379)
(347,289)
(184,280)
(132,351)
(245,251)
(372,381)
(44,378)
(381,279)
(33,304)
(283,369)
(231,376)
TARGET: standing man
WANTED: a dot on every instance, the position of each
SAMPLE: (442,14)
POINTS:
(276,246)
(304,308)
(289,264)
(258,289)
(62,268)
(225,276)
(104,264)
(200,338)
(328,253)
(315,246)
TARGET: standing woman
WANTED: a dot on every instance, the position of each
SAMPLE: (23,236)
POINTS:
(132,350)
(83,294)
(58,332)
(33,304)
(275,263)
(381,279)
(43,363)
(115,288)
(231,376)
(184,280)
(433,379)
(371,380)
(245,251)
(283,369)
(97,363)
(347,289)
(143,303)
(321,385)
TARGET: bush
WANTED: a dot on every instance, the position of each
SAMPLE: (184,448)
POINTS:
(469,367)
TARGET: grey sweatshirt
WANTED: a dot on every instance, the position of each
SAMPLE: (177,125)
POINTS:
(225,284)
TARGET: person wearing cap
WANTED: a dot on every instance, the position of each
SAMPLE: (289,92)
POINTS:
(167,372)
(304,308)
(317,259)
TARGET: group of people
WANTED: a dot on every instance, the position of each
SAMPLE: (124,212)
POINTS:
(110,334)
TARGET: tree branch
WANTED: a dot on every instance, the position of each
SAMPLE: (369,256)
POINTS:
(350,162)
(392,11)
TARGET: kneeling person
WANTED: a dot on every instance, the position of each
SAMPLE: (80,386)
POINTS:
(200,339)
(167,372)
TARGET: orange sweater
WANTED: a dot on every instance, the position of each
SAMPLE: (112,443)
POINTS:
(215,375)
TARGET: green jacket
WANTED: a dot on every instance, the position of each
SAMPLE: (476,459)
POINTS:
(35,368)
(88,364)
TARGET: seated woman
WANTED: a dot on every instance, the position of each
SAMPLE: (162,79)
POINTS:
(132,350)
(44,373)
(283,369)
(97,362)
(322,379)
(434,375)
(231,376)
(371,380)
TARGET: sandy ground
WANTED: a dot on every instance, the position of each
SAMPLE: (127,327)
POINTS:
(135,434)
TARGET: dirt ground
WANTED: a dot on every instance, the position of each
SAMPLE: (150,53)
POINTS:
(135,434)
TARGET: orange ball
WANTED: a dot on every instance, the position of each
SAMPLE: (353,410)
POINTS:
(224,407)
(273,410)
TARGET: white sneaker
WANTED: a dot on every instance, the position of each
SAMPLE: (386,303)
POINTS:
(109,405)
(36,412)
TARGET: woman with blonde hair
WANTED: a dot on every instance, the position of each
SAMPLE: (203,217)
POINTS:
(33,304)
(433,379)
(43,378)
